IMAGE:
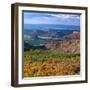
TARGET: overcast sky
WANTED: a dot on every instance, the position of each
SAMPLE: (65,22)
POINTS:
(49,18)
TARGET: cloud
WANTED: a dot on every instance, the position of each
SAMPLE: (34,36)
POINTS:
(47,18)
(66,16)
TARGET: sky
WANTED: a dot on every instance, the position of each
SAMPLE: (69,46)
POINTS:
(51,18)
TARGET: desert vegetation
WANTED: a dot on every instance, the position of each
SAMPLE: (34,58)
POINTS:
(58,60)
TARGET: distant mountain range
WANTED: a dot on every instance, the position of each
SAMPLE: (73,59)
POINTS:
(51,34)
(50,26)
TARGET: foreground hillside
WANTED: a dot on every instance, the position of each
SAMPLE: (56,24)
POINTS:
(46,63)
(60,58)
(52,68)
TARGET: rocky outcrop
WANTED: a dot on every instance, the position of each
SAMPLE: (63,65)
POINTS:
(74,35)
(69,46)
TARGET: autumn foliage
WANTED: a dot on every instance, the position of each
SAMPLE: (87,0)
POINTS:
(47,63)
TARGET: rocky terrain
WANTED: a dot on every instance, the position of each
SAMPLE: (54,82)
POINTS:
(74,35)
(68,46)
